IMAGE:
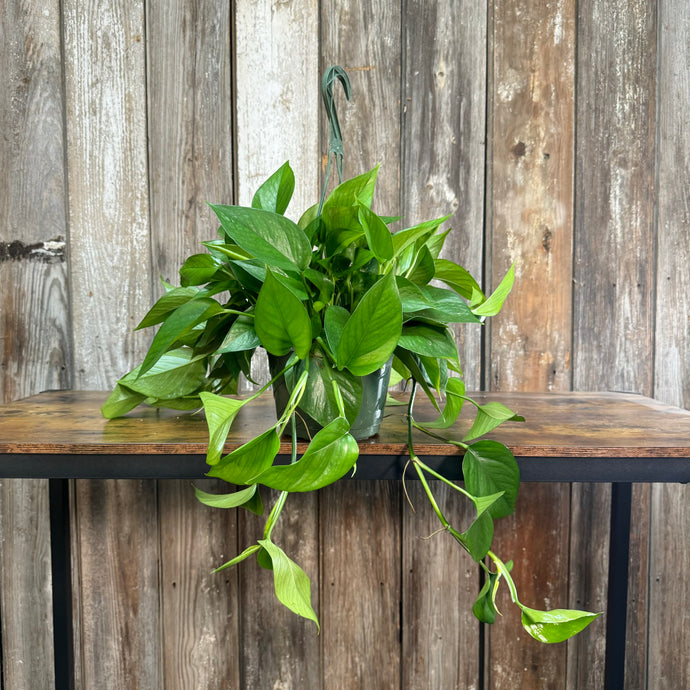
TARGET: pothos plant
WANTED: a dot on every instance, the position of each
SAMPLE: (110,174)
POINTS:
(337,296)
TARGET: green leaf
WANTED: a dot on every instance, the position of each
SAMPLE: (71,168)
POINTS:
(492,305)
(490,468)
(488,417)
(238,559)
(319,400)
(455,392)
(556,625)
(176,374)
(292,585)
(478,536)
(198,269)
(484,608)
(245,498)
(456,277)
(177,325)
(409,236)
(244,464)
(240,336)
(360,188)
(275,194)
(270,237)
(334,321)
(423,270)
(330,455)
(371,333)
(121,401)
(445,306)
(167,303)
(378,235)
(429,341)
(281,320)
(410,362)
(220,414)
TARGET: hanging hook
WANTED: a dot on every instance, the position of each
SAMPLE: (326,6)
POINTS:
(335,138)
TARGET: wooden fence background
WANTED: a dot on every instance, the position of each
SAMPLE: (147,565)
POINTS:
(558,134)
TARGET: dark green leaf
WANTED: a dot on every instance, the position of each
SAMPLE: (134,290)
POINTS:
(409,236)
(177,373)
(377,233)
(489,416)
(427,340)
(330,455)
(276,192)
(372,331)
(423,270)
(170,301)
(270,237)
(489,468)
(335,319)
(292,585)
(281,320)
(484,608)
(240,336)
(455,390)
(246,463)
(477,538)
(178,324)
(198,269)
(360,188)
(456,277)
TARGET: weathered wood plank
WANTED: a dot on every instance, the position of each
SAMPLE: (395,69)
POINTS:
(360,542)
(444,131)
(531,213)
(108,187)
(279,649)
(190,126)
(440,583)
(115,576)
(614,277)
(444,135)
(34,311)
(116,550)
(669,635)
(364,39)
(277,103)
(199,609)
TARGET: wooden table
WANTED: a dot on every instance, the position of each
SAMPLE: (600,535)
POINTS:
(573,437)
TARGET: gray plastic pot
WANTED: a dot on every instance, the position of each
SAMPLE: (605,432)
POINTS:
(368,420)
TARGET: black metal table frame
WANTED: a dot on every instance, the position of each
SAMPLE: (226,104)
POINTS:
(620,472)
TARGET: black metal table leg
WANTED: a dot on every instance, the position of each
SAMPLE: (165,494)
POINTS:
(617,609)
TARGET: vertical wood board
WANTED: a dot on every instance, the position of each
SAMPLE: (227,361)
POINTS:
(108,187)
(199,609)
(669,635)
(34,316)
(443,138)
(360,543)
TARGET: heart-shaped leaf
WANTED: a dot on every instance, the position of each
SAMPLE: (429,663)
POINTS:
(244,498)
(276,192)
(488,417)
(244,464)
(220,414)
(556,625)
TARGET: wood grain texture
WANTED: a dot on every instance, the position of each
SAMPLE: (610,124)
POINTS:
(190,126)
(443,137)
(277,104)
(531,211)
(35,351)
(115,574)
(531,204)
(534,538)
(614,273)
(440,636)
(108,188)
(277,648)
(365,39)
(360,542)
(199,609)
(669,635)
